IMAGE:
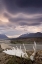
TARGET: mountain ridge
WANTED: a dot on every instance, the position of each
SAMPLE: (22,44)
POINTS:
(38,34)
(3,36)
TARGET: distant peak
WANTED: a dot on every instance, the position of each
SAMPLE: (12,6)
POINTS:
(38,32)
(3,36)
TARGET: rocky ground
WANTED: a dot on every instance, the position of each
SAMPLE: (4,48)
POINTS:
(6,59)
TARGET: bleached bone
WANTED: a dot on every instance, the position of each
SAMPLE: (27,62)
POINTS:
(17,52)
(25,50)
(24,47)
(20,47)
(34,48)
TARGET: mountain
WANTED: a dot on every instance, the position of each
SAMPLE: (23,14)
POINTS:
(2,36)
(38,34)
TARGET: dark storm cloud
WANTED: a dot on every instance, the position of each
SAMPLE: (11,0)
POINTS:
(27,6)
(10,5)
(15,14)
(1,6)
(6,15)
(2,26)
(17,19)
(26,21)
(29,24)
(24,7)
(29,3)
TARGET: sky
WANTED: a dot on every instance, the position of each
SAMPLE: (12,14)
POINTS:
(20,17)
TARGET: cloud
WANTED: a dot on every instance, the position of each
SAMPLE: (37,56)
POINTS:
(20,16)
(1,7)
(29,3)
(25,6)
(29,24)
(6,15)
(29,21)
(23,19)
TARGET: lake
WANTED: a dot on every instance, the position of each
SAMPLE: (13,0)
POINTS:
(28,46)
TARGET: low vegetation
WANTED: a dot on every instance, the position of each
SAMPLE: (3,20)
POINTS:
(17,60)
(26,40)
(7,59)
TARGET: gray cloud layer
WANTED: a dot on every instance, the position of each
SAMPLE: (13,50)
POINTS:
(26,6)
(20,13)
(26,21)
(23,6)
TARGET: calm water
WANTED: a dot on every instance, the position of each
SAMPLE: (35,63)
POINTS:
(28,46)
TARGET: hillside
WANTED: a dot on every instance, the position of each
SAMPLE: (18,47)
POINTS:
(27,40)
(2,36)
(38,34)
